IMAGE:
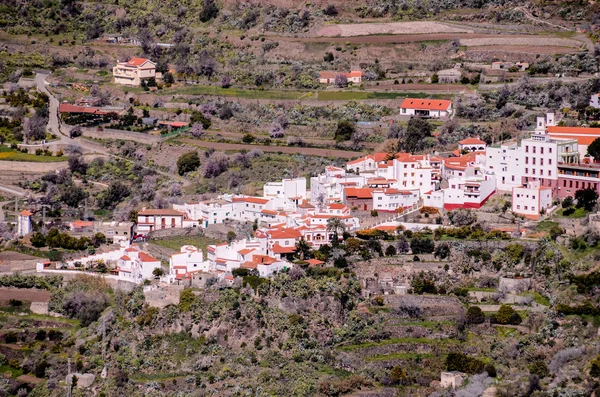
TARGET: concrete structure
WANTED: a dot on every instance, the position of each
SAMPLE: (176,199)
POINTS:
(595,101)
(328,77)
(393,200)
(209,212)
(448,76)
(452,379)
(134,71)
(584,136)
(512,284)
(426,107)
(504,161)
(515,66)
(188,261)
(24,226)
(115,232)
(529,200)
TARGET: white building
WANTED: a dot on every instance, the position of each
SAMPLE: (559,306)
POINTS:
(209,212)
(412,172)
(452,379)
(595,101)
(134,71)
(187,262)
(504,161)
(472,145)
(149,220)
(530,199)
(24,223)
(136,266)
(328,76)
(426,107)
(293,189)
(390,200)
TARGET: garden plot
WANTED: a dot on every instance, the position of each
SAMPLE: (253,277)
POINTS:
(521,41)
(365,29)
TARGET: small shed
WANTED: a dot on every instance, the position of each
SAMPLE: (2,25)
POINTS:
(149,120)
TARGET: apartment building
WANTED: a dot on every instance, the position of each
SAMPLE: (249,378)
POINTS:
(134,71)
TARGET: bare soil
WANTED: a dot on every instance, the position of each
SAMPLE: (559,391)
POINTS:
(527,49)
(363,29)
(32,295)
(11,256)
(388,39)
(417,87)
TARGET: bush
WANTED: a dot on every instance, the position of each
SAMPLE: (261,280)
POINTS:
(540,369)
(188,162)
(423,285)
(85,307)
(463,363)
(507,315)
(390,250)
(475,315)
(421,245)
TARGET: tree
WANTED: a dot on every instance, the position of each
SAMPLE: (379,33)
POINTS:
(594,149)
(435,79)
(340,81)
(198,117)
(188,162)
(507,315)
(462,217)
(157,272)
(186,300)
(442,251)
(209,11)
(398,375)
(225,81)
(402,244)
(421,245)
(197,130)
(463,363)
(75,132)
(168,78)
(417,136)
(77,164)
(344,131)
(231,236)
(475,315)
(86,307)
(586,198)
(38,240)
(217,163)
(567,201)
(390,250)
(335,225)
(276,130)
(303,249)
(72,195)
(35,128)
(330,10)
(115,193)
(328,57)
(423,285)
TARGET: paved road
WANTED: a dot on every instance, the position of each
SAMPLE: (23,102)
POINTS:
(53,121)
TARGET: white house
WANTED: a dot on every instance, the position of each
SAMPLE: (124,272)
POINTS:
(505,161)
(136,266)
(293,189)
(390,200)
(452,379)
(595,101)
(530,199)
(472,145)
(209,212)
(328,77)
(412,172)
(426,107)
(134,71)
(158,219)
(187,262)
(24,223)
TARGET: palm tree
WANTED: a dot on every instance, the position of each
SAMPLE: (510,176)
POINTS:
(303,249)
(335,225)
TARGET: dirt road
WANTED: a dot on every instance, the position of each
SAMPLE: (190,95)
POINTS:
(32,295)
(275,149)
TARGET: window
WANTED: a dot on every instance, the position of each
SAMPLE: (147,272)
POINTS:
(549,161)
(526,149)
(526,208)
(533,161)
(513,178)
(533,171)
(541,161)
(534,149)
(379,198)
(527,170)
(564,183)
(542,150)
(549,150)
(533,197)
(518,207)
(549,173)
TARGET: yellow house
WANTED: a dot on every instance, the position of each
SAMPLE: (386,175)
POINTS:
(134,71)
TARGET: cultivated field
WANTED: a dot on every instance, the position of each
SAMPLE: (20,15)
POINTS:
(363,29)
(32,295)
(524,49)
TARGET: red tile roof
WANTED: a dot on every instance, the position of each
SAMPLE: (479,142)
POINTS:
(254,200)
(137,61)
(144,257)
(426,104)
(314,262)
(158,212)
(472,141)
(278,249)
(359,193)
(25,213)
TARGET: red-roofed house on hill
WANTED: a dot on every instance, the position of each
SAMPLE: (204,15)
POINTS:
(134,71)
(361,198)
(328,77)
(472,145)
(426,107)
(157,219)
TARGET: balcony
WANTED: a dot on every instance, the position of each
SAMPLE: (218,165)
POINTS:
(124,73)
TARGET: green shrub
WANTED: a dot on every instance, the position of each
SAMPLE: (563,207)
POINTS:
(507,315)
(463,363)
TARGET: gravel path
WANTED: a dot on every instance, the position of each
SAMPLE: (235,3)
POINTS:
(363,29)
(522,41)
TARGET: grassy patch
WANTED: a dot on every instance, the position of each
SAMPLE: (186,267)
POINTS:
(538,298)
(546,225)
(235,92)
(579,213)
(482,289)
(393,341)
(14,372)
(424,324)
(8,154)
(357,95)
(400,356)
(176,242)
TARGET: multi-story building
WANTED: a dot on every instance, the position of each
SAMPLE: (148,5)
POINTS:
(412,172)
(531,199)
(504,161)
(209,212)
(149,220)
(574,177)
(134,71)
(293,189)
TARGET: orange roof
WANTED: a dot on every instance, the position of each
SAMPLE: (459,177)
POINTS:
(158,212)
(278,249)
(125,258)
(427,104)
(385,228)
(270,212)
(254,200)
(284,233)
(314,262)
(137,61)
(245,251)
(305,204)
(176,124)
(82,223)
(25,213)
(581,140)
(144,257)
(249,265)
(263,259)
(472,141)
(574,130)
(336,206)
(359,193)
(131,249)
(355,73)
